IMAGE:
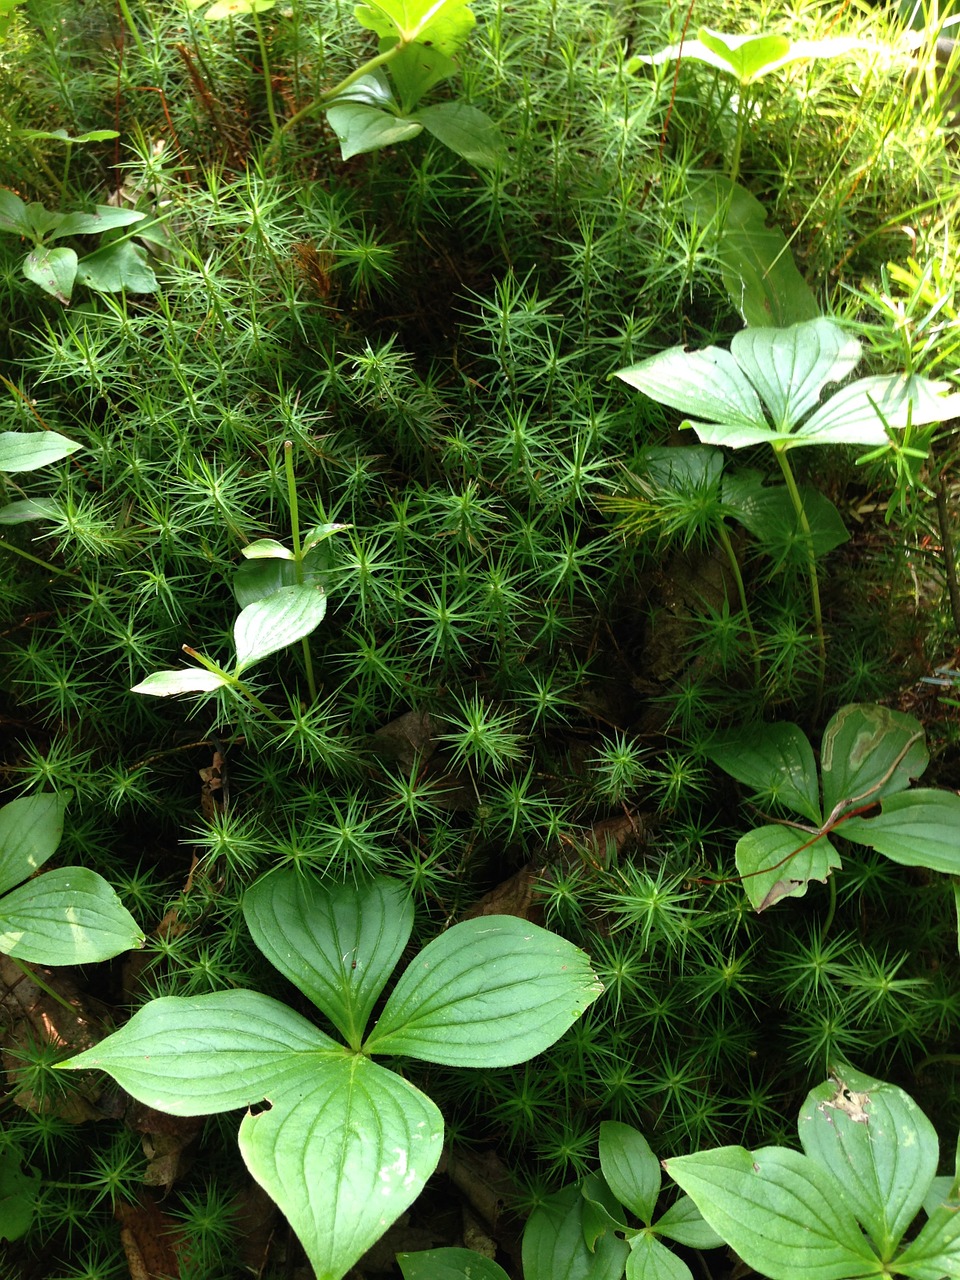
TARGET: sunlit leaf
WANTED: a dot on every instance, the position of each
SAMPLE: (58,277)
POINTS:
(66,916)
(278,620)
(166,684)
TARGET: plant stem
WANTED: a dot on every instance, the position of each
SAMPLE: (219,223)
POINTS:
(804,523)
(727,545)
(35,978)
(267,79)
(132,26)
(298,554)
(252,697)
(738,139)
(318,103)
(44,564)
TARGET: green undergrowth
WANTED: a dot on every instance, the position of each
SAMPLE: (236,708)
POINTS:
(510,679)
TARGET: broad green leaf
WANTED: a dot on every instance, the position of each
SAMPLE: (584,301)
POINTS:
(778,1210)
(19,1191)
(118,266)
(747,57)
(13,214)
(104,218)
(489,992)
(371,90)
(61,135)
(30,830)
(856,414)
(775,761)
(790,367)
(880,1147)
(915,828)
(630,1168)
(343,1152)
(256,579)
(465,130)
(449,1264)
(277,621)
(694,467)
(29,509)
(444,24)
(30,450)
(416,69)
(778,862)
(54,270)
(67,916)
(869,752)
(360,128)
(554,1247)
(752,56)
(231,8)
(767,511)
(602,1211)
(198,1055)
(41,220)
(757,267)
(938,1191)
(267,548)
(935,1253)
(684,1223)
(338,945)
(708,384)
(651,1260)
(166,684)
(320,533)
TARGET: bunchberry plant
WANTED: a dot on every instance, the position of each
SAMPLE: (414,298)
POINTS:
(767,389)
(56,268)
(69,915)
(842,1207)
(584,1230)
(346,1145)
(282,600)
(18,1191)
(364,109)
(747,58)
(869,756)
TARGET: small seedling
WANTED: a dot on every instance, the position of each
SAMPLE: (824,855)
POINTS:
(868,758)
(57,268)
(583,1229)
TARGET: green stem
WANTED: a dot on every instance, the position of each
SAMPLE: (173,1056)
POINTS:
(738,140)
(298,555)
(294,506)
(35,977)
(727,545)
(319,103)
(781,453)
(252,697)
(267,79)
(234,681)
(132,27)
(44,564)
